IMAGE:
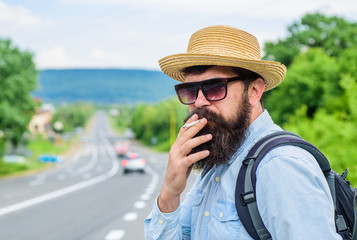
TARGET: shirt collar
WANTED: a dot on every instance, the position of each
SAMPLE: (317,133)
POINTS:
(262,124)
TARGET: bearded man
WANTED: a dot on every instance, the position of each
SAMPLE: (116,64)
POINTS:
(223,80)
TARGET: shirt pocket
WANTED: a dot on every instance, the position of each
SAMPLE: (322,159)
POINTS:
(225,221)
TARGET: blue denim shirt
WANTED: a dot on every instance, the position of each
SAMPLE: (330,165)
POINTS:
(293,198)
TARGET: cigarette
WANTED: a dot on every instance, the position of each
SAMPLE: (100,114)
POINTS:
(190,124)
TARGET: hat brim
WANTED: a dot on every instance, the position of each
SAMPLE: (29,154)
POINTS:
(272,72)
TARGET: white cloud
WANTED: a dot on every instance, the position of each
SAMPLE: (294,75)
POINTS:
(136,33)
(98,54)
(55,57)
(104,58)
(18,17)
(256,8)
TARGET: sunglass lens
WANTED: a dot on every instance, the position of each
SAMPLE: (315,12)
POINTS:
(188,94)
(215,90)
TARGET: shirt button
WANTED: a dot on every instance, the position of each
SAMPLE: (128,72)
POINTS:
(207,213)
(218,179)
(160,221)
(221,215)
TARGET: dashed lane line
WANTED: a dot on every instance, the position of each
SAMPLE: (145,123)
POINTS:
(139,204)
(131,216)
(115,235)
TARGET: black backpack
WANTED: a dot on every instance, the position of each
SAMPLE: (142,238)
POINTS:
(343,194)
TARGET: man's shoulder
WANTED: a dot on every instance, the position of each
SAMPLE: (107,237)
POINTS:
(289,158)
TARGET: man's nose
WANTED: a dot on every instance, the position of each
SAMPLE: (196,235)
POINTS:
(201,100)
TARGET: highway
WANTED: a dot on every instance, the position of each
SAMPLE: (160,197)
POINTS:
(85,197)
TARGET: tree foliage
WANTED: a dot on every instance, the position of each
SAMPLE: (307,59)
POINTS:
(158,124)
(72,116)
(315,30)
(318,97)
(312,80)
(18,77)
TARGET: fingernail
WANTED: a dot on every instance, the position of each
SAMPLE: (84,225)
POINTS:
(207,152)
(209,136)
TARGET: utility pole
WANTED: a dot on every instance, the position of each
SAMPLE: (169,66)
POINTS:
(172,125)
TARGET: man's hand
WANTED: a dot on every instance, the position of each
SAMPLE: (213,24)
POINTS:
(180,164)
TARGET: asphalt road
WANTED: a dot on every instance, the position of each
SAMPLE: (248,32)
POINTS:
(86,197)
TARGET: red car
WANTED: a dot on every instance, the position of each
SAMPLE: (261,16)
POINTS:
(121,148)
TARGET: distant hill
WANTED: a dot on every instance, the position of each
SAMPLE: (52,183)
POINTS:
(103,86)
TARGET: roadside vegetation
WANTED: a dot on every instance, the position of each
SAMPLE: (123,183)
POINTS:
(55,142)
(155,125)
(37,146)
(317,99)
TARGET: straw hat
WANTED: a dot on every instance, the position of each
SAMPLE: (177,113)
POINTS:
(224,46)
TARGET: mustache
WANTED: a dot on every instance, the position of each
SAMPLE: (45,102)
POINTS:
(212,118)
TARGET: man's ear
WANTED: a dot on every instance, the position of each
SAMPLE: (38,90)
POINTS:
(256,90)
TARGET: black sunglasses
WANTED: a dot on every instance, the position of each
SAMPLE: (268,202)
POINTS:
(213,89)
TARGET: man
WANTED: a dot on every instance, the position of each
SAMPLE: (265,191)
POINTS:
(223,82)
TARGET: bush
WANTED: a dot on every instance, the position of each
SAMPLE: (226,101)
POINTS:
(335,136)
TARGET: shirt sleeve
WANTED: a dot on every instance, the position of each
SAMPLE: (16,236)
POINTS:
(293,196)
(175,225)
(160,225)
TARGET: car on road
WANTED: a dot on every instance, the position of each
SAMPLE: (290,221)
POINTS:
(121,148)
(133,162)
(50,158)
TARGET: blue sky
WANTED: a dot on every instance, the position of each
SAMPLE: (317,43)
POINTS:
(137,33)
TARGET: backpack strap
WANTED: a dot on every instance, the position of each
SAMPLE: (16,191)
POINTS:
(245,197)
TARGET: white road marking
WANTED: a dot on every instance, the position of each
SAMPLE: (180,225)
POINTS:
(145,197)
(115,235)
(150,190)
(139,204)
(130,216)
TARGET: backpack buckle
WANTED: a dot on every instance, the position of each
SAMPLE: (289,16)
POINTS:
(248,160)
(342,228)
(247,198)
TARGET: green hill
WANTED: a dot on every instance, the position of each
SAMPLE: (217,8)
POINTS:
(103,86)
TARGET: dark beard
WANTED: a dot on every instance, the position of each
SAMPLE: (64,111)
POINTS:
(228,136)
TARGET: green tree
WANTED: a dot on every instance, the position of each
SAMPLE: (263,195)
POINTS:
(318,97)
(18,77)
(334,133)
(158,121)
(312,80)
(72,116)
(315,30)
(348,62)
(334,136)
